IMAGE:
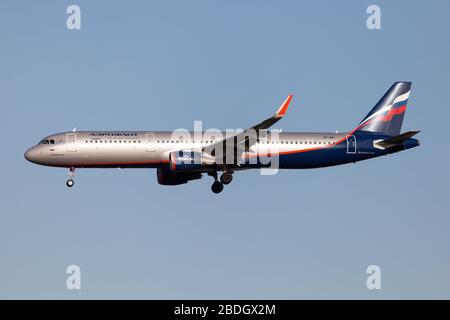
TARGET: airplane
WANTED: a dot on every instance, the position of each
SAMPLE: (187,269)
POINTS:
(180,158)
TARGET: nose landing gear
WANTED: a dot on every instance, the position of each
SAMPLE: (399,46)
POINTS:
(70,182)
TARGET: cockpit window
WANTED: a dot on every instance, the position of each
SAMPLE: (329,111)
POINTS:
(47,141)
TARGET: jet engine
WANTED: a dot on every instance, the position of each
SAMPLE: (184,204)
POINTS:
(167,177)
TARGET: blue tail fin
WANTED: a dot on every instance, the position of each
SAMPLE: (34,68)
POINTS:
(387,115)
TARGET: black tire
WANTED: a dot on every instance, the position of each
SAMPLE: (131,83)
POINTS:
(70,183)
(226,178)
(217,187)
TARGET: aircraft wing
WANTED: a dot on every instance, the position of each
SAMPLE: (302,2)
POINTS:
(242,141)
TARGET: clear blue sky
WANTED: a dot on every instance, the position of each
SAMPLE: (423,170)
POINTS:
(160,65)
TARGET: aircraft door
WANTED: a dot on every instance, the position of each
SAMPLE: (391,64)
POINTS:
(351,144)
(150,142)
(71,142)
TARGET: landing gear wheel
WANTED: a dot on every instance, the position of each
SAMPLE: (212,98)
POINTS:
(70,183)
(226,178)
(217,187)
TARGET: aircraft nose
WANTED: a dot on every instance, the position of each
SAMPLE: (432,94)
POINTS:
(31,154)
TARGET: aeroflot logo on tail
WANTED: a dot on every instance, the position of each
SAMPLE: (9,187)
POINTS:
(113,134)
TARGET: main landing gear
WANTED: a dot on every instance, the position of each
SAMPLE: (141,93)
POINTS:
(217,187)
(225,178)
(70,181)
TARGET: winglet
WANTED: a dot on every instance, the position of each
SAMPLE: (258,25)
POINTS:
(283,108)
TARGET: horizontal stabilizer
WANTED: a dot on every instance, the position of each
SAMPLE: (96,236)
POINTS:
(397,140)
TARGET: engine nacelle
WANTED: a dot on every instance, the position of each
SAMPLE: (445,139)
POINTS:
(169,178)
(188,160)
